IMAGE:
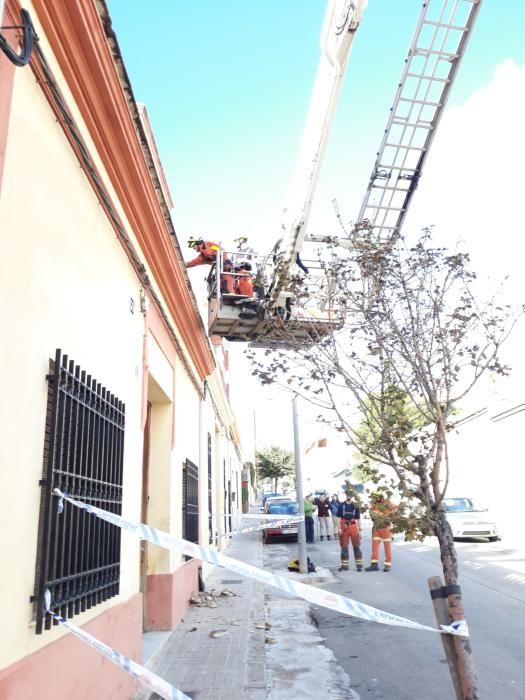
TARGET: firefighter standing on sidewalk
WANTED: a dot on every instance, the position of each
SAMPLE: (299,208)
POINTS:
(349,518)
(381,512)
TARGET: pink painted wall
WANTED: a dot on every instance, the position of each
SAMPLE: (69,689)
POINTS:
(168,596)
(69,668)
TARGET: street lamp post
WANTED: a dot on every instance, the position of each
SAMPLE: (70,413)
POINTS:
(303,561)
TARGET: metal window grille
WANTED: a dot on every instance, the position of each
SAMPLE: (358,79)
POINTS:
(78,555)
(190,501)
(210,494)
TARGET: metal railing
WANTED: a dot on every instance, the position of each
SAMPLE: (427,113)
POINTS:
(78,556)
(190,502)
(210,493)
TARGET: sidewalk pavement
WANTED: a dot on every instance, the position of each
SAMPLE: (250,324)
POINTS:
(229,667)
(270,648)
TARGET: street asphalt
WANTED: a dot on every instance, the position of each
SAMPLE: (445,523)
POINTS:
(401,664)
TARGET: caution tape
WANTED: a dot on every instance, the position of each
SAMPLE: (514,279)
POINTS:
(260,516)
(318,596)
(284,522)
(143,675)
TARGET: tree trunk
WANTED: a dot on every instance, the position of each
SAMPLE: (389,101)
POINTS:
(449,561)
(276,479)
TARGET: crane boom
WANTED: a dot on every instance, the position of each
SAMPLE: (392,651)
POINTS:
(279,313)
(433,61)
(337,35)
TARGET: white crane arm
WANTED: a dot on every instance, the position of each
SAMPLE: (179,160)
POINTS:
(337,35)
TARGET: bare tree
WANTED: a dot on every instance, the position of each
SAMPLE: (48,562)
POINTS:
(413,341)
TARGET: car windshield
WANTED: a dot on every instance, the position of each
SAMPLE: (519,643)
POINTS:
(456,505)
(286,508)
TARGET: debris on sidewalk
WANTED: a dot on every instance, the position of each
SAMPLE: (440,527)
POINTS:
(218,633)
(210,599)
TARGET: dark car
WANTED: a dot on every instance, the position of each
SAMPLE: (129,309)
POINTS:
(279,508)
(269,495)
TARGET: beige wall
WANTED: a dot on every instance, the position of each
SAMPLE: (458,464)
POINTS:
(65,282)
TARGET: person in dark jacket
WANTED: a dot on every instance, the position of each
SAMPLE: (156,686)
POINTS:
(325,516)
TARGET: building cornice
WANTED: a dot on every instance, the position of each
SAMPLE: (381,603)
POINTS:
(77,37)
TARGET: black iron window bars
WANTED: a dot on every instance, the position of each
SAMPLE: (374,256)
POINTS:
(78,555)
(190,501)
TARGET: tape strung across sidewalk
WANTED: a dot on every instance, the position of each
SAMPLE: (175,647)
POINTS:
(260,516)
(143,675)
(318,596)
(282,522)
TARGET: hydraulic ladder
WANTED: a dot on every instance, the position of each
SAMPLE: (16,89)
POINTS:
(433,60)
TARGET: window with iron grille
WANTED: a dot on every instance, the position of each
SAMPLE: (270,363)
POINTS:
(190,502)
(78,555)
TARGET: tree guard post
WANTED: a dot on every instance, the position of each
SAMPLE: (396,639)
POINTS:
(440,604)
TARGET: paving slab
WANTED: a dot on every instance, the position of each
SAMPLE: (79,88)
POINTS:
(230,666)
(271,650)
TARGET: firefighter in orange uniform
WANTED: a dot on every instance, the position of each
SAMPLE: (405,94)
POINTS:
(381,512)
(245,279)
(207,255)
(349,531)
(207,252)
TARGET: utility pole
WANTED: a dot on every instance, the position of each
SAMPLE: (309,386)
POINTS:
(303,561)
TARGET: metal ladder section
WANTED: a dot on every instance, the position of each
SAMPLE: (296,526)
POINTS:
(438,46)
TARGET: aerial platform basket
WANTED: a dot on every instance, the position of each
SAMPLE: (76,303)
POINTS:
(305,320)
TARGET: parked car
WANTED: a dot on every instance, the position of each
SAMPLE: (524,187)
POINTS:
(275,499)
(468,519)
(278,508)
(269,495)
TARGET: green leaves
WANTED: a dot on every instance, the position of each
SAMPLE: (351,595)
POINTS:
(274,463)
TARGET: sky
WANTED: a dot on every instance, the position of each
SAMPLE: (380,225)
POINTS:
(227,85)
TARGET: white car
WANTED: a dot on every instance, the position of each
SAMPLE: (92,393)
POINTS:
(468,519)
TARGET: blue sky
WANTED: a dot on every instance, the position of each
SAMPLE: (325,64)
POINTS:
(227,85)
